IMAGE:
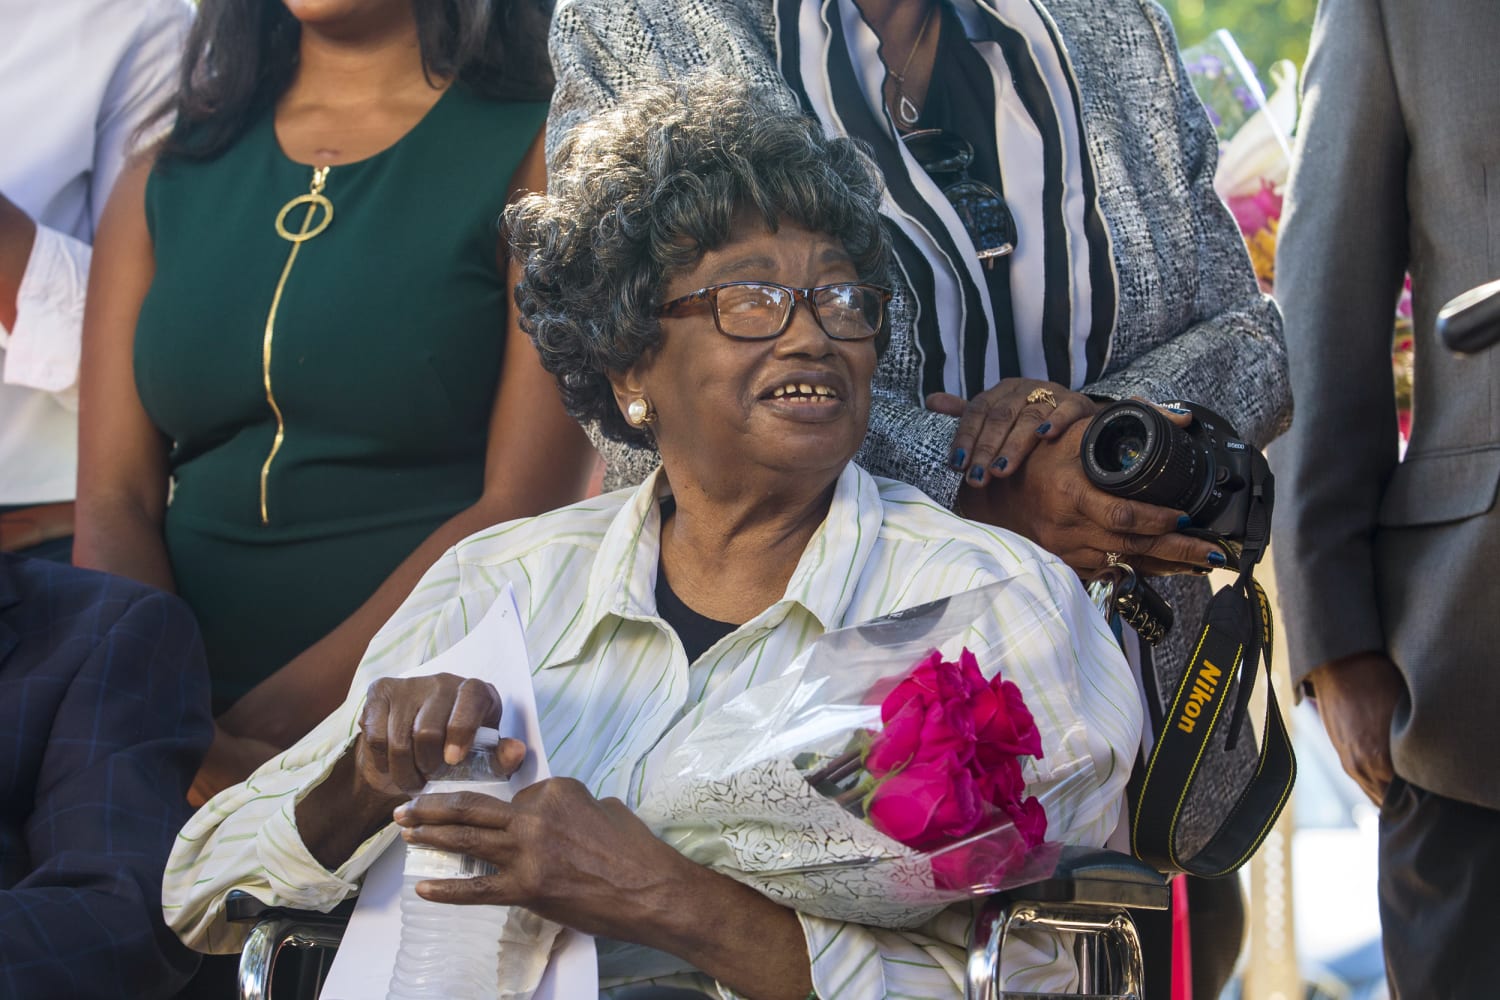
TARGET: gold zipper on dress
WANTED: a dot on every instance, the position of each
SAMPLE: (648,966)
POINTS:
(314,199)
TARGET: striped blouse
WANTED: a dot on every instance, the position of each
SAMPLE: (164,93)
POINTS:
(611,678)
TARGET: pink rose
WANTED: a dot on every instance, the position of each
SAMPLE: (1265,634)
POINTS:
(1001,783)
(994,862)
(925,683)
(921,731)
(927,803)
(936,679)
(980,864)
(1030,820)
(1003,724)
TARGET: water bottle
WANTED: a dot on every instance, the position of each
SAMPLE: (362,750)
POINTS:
(451,952)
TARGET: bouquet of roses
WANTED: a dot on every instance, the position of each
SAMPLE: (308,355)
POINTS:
(891,769)
(945,765)
(1254,155)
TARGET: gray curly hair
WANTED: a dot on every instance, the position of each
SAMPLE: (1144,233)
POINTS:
(644,190)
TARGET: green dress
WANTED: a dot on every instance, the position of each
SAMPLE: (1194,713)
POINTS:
(384,358)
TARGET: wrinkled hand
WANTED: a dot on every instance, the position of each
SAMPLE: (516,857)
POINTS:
(1357,698)
(411,727)
(1052,502)
(230,760)
(998,428)
(583,862)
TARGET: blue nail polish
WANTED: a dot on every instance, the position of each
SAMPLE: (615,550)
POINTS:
(1000,463)
(1175,409)
(1044,428)
(976,474)
(1216,559)
(957,458)
(1184,522)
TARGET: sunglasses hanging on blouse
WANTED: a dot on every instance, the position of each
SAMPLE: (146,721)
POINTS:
(980,208)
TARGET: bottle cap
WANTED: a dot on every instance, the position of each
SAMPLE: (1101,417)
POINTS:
(486,738)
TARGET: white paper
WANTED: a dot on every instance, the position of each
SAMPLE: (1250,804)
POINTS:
(495,651)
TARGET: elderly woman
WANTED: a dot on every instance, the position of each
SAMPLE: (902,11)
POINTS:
(704,276)
(1049,192)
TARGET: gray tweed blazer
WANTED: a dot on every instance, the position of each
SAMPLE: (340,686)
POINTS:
(1191,322)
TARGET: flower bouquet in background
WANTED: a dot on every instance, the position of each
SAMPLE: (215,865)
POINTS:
(1254,160)
(1403,360)
(891,769)
(1254,153)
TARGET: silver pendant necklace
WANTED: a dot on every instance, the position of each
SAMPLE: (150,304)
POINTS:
(907,112)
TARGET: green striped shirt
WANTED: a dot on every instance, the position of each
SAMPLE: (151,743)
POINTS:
(611,678)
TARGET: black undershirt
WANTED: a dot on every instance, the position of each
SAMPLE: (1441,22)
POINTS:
(696,632)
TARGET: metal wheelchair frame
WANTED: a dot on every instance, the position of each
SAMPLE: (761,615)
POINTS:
(274,928)
(1090,894)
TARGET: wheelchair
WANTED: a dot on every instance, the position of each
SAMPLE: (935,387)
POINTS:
(1090,895)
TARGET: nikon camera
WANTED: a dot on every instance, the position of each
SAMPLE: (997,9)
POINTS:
(1207,470)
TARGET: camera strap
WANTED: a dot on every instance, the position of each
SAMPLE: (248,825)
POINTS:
(1236,631)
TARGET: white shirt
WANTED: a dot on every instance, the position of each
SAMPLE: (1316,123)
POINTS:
(77,78)
(611,678)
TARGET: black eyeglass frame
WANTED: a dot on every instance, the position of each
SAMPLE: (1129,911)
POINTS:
(710,295)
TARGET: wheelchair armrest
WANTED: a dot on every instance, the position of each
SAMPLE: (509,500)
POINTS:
(1088,894)
(275,927)
(1100,877)
(240,907)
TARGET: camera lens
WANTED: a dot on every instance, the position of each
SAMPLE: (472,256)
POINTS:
(1121,445)
(1132,450)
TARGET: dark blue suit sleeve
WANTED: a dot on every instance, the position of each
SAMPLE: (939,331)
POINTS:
(126,739)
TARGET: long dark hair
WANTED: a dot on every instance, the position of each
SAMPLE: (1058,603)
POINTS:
(242,54)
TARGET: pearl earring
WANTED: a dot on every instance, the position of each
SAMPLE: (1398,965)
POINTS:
(639,412)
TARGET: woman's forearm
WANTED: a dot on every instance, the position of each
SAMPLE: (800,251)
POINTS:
(742,939)
(120,536)
(342,813)
(17,234)
(287,705)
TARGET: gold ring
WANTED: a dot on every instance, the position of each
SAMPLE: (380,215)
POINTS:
(1042,394)
(1111,558)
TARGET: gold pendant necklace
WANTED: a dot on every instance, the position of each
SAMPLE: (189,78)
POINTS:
(313,223)
(907,112)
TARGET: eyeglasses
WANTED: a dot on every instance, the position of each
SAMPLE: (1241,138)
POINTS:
(762,310)
(980,208)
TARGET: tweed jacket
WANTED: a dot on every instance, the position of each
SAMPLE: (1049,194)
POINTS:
(1397,169)
(103,721)
(1190,321)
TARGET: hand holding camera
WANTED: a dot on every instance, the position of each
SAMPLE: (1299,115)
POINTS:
(1223,485)
(1163,490)
(1204,469)
(1051,501)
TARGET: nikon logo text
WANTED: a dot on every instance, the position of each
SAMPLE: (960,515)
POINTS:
(1204,686)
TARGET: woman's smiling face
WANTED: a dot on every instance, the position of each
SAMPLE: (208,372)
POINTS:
(725,408)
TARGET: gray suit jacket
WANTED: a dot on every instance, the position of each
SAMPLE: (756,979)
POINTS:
(1398,166)
(1191,322)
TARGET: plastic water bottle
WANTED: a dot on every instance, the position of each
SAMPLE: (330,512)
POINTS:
(451,952)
